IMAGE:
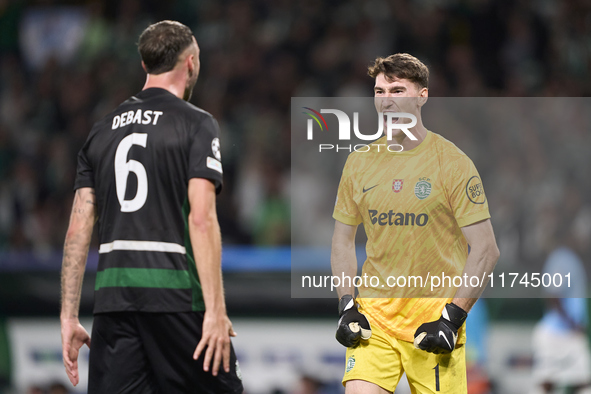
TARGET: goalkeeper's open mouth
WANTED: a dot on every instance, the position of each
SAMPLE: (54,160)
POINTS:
(394,120)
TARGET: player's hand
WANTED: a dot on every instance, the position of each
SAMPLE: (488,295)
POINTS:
(216,333)
(440,336)
(73,337)
(353,325)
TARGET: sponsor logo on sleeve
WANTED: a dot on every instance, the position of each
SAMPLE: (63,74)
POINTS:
(475,191)
(214,164)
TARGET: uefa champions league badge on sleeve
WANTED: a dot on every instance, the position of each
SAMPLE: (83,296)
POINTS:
(215,148)
(423,188)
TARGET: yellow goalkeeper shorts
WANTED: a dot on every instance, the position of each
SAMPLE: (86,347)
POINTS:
(383,359)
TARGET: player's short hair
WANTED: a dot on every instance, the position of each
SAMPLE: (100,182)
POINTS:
(401,65)
(161,44)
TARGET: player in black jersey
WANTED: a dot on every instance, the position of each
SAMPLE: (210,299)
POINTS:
(149,173)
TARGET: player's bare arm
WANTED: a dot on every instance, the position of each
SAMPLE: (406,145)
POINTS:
(483,257)
(342,258)
(205,236)
(76,246)
(353,326)
(364,387)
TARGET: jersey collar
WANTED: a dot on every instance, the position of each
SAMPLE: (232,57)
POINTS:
(153,92)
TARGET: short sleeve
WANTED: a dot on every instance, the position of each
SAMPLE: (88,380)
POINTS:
(346,210)
(466,193)
(205,156)
(84,170)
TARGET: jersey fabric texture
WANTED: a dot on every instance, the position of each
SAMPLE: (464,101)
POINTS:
(383,359)
(139,159)
(412,205)
(153,353)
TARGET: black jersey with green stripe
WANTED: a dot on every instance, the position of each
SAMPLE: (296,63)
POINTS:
(139,159)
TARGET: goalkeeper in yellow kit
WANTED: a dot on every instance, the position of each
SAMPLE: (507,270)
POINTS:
(421,208)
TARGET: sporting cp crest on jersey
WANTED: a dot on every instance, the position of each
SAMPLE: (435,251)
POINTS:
(350,363)
(397,185)
(423,188)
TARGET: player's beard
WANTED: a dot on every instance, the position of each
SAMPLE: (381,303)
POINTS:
(188,90)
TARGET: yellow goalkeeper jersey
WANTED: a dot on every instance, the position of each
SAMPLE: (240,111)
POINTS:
(412,205)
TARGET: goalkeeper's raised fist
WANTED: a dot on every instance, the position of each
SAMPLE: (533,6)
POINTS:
(353,325)
(440,336)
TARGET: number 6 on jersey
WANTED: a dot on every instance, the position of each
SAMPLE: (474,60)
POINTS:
(124,167)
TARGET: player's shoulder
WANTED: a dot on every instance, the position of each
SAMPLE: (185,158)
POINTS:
(196,118)
(104,122)
(447,148)
(451,158)
(196,111)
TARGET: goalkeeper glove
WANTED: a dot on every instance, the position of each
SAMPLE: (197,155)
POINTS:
(353,325)
(440,336)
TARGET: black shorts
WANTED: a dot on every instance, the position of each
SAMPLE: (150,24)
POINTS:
(135,352)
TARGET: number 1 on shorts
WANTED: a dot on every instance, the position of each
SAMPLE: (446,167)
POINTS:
(436,377)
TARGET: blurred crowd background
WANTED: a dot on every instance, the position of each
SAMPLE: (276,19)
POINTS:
(65,64)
